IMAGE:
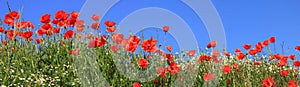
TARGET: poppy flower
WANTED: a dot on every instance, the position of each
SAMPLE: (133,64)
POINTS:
(237,50)
(61,15)
(268,82)
(166,28)
(169,57)
(292,57)
(131,43)
(296,63)
(71,21)
(212,44)
(114,48)
(25,24)
(169,48)
(111,29)
(208,77)
(95,25)
(95,17)
(226,53)
(74,14)
(9,21)
(191,52)
(284,73)
(161,71)
(240,55)
(4,42)
(266,42)
(173,68)
(247,46)
(117,38)
(149,45)
(27,35)
(226,69)
(272,39)
(74,52)
(11,34)
(109,23)
(252,52)
(297,48)
(292,83)
(256,63)
(45,18)
(92,44)
(79,25)
(69,34)
(282,61)
(39,40)
(136,84)
(235,66)
(143,63)
(215,54)
(56,30)
(1,29)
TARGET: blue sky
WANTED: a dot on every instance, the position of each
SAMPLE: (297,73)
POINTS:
(244,21)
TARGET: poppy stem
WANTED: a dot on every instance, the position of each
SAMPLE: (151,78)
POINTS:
(8,6)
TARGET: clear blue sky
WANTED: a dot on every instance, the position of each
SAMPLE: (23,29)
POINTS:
(245,21)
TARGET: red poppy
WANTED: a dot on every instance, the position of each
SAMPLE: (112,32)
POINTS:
(169,57)
(240,55)
(61,15)
(56,30)
(292,57)
(282,61)
(235,66)
(292,83)
(252,52)
(109,23)
(114,48)
(266,42)
(95,25)
(237,50)
(149,45)
(25,24)
(212,44)
(74,14)
(39,40)
(226,69)
(169,48)
(173,68)
(111,29)
(143,63)
(268,82)
(95,17)
(296,63)
(161,71)
(226,53)
(297,48)
(74,52)
(272,39)
(79,25)
(46,29)
(208,76)
(69,34)
(191,52)
(27,35)
(92,44)
(11,34)
(9,21)
(117,38)
(1,29)
(45,18)
(256,63)
(247,46)
(284,73)
(4,42)
(136,84)
(14,15)
(166,28)
(71,21)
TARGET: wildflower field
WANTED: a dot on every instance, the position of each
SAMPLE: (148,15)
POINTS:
(60,53)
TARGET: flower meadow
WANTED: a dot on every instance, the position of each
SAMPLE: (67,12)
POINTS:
(60,53)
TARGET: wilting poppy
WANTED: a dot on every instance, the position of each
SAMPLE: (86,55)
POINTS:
(143,63)
(268,82)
